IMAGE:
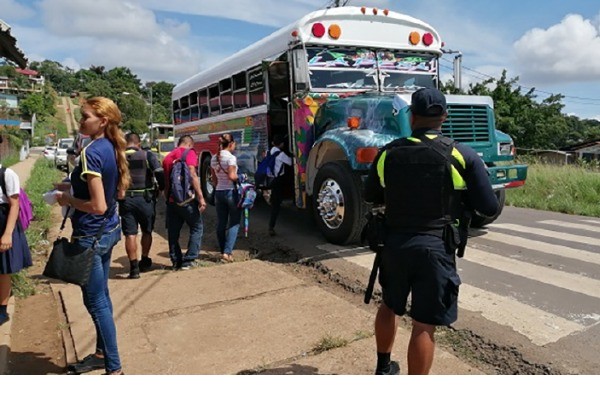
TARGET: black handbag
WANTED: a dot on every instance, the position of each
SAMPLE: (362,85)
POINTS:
(69,261)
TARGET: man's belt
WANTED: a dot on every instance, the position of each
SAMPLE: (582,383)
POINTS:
(139,192)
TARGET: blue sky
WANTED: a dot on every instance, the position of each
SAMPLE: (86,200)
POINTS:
(551,45)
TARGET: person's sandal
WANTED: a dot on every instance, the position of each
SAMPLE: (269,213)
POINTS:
(89,363)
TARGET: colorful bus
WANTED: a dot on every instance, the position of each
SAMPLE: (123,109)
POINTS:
(338,83)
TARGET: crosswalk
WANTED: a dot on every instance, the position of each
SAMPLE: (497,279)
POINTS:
(540,279)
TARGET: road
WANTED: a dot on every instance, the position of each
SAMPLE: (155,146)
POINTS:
(530,291)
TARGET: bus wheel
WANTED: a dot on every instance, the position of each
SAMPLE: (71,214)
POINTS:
(208,191)
(479,221)
(337,203)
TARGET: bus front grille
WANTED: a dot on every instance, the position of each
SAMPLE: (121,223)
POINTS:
(467,123)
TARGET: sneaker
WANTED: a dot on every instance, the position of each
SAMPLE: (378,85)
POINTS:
(191,264)
(184,267)
(393,369)
(272,232)
(145,264)
(134,273)
(89,363)
(4,318)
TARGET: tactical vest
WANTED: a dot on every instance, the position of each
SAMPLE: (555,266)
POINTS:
(141,177)
(420,194)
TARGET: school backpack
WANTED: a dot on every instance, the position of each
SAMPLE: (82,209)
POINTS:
(247,195)
(265,171)
(180,181)
(25,206)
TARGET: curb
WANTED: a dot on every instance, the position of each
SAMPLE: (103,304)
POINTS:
(65,332)
(5,334)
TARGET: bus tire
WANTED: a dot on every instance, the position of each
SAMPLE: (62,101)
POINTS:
(479,221)
(337,203)
(207,189)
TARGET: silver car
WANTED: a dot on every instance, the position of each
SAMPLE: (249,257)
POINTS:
(60,159)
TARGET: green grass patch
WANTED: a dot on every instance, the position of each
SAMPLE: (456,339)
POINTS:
(329,342)
(10,159)
(570,189)
(40,181)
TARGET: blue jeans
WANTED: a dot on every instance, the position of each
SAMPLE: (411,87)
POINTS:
(228,219)
(176,217)
(97,299)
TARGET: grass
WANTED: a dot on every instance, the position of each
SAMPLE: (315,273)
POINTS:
(570,189)
(10,159)
(41,179)
(329,342)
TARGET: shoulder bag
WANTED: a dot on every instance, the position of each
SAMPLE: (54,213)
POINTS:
(71,262)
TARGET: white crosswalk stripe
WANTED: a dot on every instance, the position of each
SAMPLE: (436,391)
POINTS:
(540,326)
(571,225)
(557,250)
(549,234)
(591,221)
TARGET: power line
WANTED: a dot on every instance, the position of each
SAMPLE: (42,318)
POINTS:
(530,88)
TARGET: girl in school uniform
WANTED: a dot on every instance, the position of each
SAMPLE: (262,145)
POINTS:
(14,251)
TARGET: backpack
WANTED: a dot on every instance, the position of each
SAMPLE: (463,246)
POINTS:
(180,181)
(246,195)
(25,206)
(265,171)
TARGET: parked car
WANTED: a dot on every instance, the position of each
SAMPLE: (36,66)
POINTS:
(60,160)
(50,153)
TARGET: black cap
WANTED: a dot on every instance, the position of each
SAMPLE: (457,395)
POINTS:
(428,102)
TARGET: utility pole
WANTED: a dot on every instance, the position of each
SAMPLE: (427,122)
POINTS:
(457,67)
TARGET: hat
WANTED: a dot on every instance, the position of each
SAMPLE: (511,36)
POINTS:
(428,102)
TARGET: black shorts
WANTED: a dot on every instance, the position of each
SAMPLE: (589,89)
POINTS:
(420,265)
(136,211)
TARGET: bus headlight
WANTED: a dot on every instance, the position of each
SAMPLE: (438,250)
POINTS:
(505,149)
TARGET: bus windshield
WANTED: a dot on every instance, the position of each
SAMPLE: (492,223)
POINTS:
(370,69)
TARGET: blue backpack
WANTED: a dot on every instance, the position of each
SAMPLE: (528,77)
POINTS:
(180,181)
(265,171)
(247,195)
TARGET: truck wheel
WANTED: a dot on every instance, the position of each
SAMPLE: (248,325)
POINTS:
(208,191)
(337,203)
(479,221)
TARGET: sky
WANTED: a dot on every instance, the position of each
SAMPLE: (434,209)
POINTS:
(550,45)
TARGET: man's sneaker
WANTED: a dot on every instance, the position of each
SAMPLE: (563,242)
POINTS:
(134,273)
(89,363)
(191,264)
(145,264)
(393,369)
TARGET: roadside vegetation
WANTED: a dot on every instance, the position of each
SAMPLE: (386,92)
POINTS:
(40,181)
(570,189)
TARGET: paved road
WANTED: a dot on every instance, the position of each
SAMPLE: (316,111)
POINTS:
(531,282)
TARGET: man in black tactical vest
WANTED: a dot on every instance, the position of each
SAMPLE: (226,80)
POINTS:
(138,207)
(425,181)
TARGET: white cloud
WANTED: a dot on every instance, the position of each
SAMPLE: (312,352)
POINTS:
(566,52)
(112,33)
(11,10)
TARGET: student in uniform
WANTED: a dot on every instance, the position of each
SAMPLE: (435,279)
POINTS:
(14,251)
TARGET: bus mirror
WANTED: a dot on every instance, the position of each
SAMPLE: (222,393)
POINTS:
(300,69)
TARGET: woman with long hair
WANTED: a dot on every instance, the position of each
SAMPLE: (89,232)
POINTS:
(224,174)
(100,177)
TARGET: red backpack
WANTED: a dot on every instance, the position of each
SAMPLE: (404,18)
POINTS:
(25,206)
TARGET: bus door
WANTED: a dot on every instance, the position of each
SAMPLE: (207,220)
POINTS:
(278,78)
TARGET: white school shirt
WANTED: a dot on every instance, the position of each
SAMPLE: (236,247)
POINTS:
(282,158)
(12,185)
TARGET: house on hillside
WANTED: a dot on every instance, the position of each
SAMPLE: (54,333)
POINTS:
(586,151)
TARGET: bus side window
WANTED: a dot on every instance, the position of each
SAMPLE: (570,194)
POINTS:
(213,95)
(226,96)
(240,91)
(203,101)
